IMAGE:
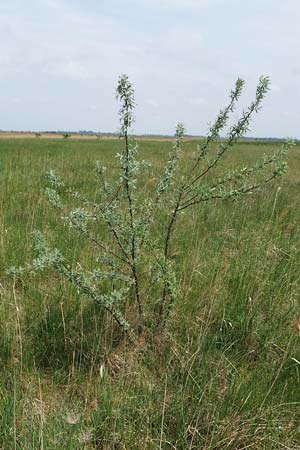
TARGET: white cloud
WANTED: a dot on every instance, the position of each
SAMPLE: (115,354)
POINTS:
(183,4)
(17,100)
(152,103)
(275,88)
(197,101)
(69,69)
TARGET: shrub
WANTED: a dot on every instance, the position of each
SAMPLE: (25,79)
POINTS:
(130,253)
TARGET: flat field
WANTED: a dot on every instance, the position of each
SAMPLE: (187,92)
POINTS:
(225,374)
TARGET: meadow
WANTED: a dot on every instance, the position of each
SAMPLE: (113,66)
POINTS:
(224,374)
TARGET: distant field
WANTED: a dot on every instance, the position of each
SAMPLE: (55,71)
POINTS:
(226,373)
(20,135)
(23,135)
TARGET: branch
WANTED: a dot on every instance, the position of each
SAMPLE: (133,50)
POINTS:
(220,122)
(233,194)
(245,172)
(236,131)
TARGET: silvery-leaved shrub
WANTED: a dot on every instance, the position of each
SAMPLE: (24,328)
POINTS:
(130,257)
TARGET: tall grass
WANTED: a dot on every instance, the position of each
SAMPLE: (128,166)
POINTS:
(225,374)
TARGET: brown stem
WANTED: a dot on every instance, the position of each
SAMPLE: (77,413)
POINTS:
(161,319)
(133,242)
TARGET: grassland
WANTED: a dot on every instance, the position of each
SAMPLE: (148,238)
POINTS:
(226,372)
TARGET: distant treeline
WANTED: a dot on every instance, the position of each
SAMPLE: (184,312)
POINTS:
(150,135)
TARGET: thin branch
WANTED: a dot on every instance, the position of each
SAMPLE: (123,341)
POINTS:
(226,196)
(235,133)
(220,122)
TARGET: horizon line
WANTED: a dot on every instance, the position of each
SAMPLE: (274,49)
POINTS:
(116,134)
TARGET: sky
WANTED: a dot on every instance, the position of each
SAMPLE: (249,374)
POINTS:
(60,61)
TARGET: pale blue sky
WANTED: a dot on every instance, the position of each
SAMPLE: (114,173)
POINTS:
(60,60)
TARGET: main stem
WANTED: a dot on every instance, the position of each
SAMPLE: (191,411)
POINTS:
(161,316)
(133,243)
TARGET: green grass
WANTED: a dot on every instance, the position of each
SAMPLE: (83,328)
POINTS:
(226,372)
